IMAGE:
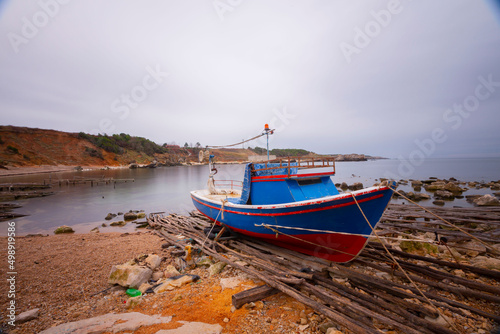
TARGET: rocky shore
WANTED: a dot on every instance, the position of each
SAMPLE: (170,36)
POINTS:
(65,279)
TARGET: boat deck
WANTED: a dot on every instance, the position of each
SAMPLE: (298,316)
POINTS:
(221,194)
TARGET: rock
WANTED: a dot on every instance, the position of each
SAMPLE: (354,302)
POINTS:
(418,247)
(63,229)
(417,196)
(129,276)
(332,330)
(133,302)
(193,328)
(325,326)
(439,202)
(250,305)
(118,223)
(27,316)
(356,186)
(126,322)
(216,268)
(104,225)
(153,261)
(344,186)
(110,216)
(440,321)
(144,287)
(157,275)
(95,230)
(472,249)
(226,320)
(437,185)
(141,215)
(416,183)
(444,194)
(130,216)
(170,271)
(204,262)
(486,262)
(229,283)
(175,282)
(454,188)
(487,200)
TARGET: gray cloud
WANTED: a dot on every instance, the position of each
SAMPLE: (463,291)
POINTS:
(86,69)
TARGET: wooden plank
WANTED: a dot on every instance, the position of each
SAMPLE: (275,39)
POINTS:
(252,295)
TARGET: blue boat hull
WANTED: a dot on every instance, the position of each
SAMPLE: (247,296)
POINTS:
(332,227)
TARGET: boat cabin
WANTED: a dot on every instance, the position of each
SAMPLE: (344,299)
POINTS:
(286,181)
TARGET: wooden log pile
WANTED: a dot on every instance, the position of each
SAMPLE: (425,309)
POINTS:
(370,293)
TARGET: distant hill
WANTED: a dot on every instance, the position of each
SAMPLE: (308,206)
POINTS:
(28,147)
(21,146)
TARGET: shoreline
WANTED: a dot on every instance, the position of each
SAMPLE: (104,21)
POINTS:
(45,169)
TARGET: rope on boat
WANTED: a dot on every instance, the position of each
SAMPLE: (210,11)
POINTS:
(215,222)
(401,268)
(241,142)
(344,233)
(306,241)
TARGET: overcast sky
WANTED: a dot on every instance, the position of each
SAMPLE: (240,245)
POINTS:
(390,78)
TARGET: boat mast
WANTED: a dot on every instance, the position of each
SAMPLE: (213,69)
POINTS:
(267,132)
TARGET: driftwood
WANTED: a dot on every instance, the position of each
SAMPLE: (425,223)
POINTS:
(251,295)
(356,297)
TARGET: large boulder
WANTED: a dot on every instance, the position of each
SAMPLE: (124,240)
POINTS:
(129,276)
(487,200)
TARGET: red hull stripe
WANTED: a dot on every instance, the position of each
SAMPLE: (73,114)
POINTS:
(291,212)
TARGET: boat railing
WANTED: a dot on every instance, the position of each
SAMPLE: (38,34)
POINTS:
(290,163)
(228,184)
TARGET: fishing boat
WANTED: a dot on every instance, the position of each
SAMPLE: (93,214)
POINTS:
(293,203)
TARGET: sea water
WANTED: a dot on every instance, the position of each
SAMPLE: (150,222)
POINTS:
(166,189)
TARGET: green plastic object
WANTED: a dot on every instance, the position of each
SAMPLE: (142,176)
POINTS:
(133,292)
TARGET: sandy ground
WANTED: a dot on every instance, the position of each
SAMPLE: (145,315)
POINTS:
(62,275)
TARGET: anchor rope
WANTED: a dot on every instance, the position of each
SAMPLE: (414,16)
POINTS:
(306,241)
(344,233)
(401,268)
(215,222)
(241,142)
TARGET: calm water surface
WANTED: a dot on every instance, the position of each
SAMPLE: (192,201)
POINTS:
(166,189)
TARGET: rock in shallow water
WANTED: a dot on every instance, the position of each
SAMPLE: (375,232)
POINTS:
(63,229)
